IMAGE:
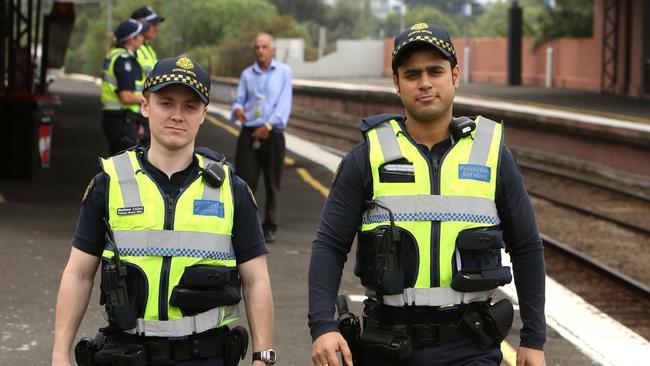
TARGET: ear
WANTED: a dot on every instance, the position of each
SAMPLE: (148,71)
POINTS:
(144,106)
(455,76)
(396,83)
(205,112)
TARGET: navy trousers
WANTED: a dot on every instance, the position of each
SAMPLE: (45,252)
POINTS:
(464,352)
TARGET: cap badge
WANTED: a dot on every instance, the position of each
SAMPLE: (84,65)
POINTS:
(185,63)
(419,26)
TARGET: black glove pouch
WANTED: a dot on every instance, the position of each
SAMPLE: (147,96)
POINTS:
(480,256)
(236,346)
(206,287)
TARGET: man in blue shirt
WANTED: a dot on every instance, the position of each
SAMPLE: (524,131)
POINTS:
(263,104)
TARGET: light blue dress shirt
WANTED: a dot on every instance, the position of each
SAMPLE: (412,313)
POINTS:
(266,95)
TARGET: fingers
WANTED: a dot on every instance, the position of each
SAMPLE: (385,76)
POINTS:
(346,353)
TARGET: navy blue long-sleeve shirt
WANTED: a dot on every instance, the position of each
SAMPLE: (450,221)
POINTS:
(341,219)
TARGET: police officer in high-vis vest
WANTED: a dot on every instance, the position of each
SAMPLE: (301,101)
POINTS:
(432,200)
(146,55)
(122,83)
(179,243)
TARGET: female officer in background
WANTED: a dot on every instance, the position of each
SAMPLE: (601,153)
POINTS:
(122,87)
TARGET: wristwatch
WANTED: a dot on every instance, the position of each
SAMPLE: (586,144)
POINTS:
(268,356)
(268,126)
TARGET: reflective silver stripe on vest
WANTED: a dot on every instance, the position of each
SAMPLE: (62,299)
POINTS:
(435,296)
(111,105)
(139,88)
(110,79)
(482,142)
(186,325)
(127,181)
(174,243)
(434,208)
(388,142)
(210,193)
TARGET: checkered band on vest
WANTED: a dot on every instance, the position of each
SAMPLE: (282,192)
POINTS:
(430,39)
(155,80)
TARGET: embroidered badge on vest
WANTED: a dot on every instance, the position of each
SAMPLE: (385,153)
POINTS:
(130,210)
(475,172)
(208,208)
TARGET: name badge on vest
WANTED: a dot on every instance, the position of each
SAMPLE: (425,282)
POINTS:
(476,172)
(130,210)
(397,173)
(208,208)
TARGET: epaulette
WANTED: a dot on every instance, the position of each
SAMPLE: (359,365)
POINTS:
(373,121)
(210,154)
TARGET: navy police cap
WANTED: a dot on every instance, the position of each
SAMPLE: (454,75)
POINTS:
(424,33)
(129,29)
(179,70)
(146,14)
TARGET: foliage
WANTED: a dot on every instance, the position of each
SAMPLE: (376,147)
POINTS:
(235,53)
(302,10)
(446,6)
(423,14)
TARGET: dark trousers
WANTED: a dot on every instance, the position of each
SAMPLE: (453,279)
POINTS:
(268,158)
(113,126)
(464,352)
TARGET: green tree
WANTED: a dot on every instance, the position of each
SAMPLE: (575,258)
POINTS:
(421,14)
(302,10)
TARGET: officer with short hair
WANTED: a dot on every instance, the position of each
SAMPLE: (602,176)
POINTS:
(122,82)
(432,199)
(180,243)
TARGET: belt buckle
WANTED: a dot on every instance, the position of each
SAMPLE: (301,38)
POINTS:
(160,352)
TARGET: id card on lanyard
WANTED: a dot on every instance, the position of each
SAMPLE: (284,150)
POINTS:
(260,93)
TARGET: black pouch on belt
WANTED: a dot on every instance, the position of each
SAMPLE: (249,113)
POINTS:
(236,346)
(392,342)
(129,128)
(497,320)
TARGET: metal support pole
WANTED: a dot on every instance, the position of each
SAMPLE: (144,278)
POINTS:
(514,43)
(322,41)
(549,67)
(109,17)
(467,64)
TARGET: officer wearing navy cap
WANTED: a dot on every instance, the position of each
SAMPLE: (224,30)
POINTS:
(146,55)
(122,82)
(432,199)
(179,241)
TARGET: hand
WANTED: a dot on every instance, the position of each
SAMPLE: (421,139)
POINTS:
(259,363)
(530,357)
(240,115)
(324,348)
(60,361)
(261,133)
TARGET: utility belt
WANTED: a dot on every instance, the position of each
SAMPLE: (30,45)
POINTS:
(110,349)
(387,261)
(486,324)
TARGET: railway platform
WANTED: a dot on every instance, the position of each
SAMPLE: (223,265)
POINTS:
(37,220)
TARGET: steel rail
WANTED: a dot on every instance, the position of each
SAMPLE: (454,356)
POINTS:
(618,277)
(608,218)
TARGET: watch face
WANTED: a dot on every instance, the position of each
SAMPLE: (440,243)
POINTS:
(269,356)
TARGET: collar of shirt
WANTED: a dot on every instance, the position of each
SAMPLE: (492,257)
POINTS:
(258,70)
(170,186)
